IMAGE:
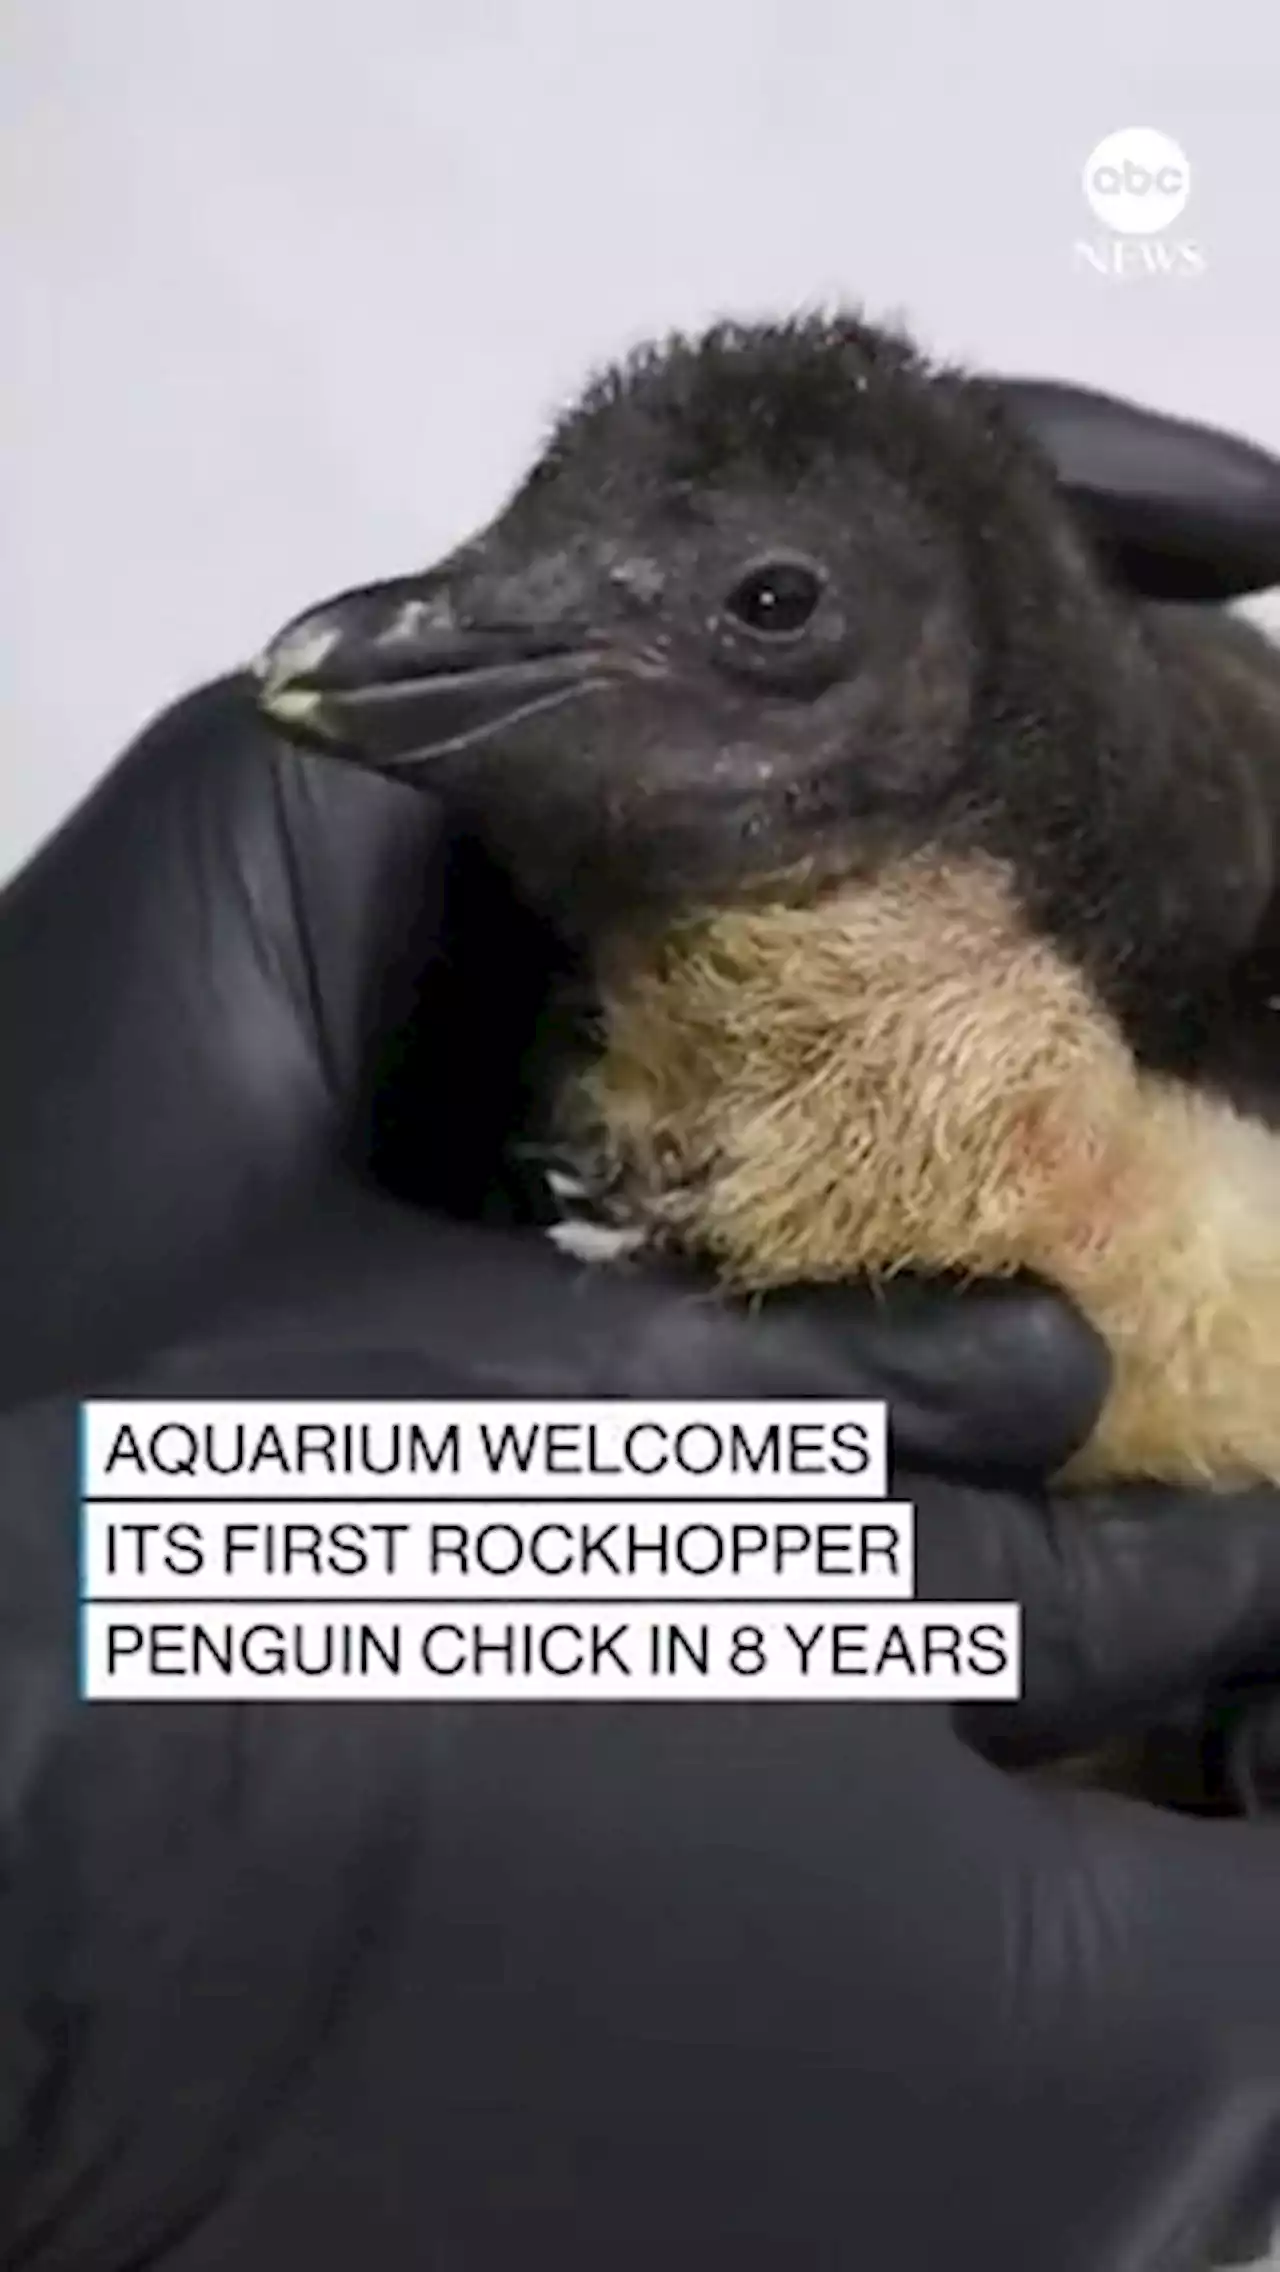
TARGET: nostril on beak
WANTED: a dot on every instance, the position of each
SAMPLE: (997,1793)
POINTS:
(414,618)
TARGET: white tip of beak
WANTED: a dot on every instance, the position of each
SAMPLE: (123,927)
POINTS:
(293,657)
(291,704)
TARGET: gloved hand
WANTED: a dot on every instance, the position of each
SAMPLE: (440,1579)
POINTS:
(252,1954)
(585,1984)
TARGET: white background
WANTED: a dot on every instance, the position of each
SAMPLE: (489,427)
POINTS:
(290,288)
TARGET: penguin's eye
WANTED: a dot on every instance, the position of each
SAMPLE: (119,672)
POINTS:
(776,599)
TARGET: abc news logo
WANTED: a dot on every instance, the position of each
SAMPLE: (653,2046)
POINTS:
(1137,184)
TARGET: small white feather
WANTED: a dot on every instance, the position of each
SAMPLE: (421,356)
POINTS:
(594,1242)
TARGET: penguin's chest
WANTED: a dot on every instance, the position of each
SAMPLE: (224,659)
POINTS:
(809,1092)
(907,1079)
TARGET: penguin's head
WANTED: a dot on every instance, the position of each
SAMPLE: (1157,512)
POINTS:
(730,618)
(783,601)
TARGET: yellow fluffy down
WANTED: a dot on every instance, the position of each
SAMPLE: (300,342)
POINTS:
(900,1076)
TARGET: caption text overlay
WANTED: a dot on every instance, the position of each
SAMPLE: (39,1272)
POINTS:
(577,1551)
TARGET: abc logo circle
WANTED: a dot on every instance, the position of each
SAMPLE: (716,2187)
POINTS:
(1137,181)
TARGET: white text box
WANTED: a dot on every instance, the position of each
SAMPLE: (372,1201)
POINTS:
(533,1550)
(594,1449)
(925,1651)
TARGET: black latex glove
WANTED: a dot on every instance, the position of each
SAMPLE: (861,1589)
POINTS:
(1181,512)
(284,1986)
(573,1985)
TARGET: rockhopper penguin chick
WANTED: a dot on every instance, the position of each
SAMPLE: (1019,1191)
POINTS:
(926,881)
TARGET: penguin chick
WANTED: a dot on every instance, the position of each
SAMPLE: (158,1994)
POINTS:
(926,881)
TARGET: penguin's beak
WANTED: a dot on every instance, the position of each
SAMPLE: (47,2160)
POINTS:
(386,675)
